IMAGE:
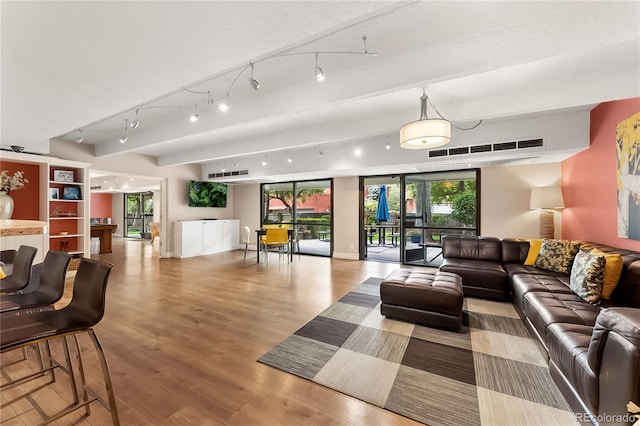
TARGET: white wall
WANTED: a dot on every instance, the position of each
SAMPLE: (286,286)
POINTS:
(246,208)
(346,210)
(117,213)
(505,200)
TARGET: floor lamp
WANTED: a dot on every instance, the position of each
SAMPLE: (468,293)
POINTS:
(547,199)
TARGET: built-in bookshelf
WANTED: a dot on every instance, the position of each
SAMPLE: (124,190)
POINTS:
(63,200)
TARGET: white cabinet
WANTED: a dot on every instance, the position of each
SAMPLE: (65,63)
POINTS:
(200,237)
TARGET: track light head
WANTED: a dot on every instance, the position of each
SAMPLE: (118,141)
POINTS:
(134,124)
(319,72)
(290,160)
(224,103)
(78,140)
(194,117)
(388,146)
(124,139)
(252,81)
(264,162)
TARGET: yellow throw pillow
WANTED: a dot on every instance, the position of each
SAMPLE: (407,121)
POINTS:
(2,273)
(534,250)
(612,271)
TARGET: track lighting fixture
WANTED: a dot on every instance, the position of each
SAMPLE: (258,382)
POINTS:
(124,139)
(134,122)
(264,162)
(319,72)
(252,81)
(290,159)
(388,146)
(321,153)
(224,103)
(357,152)
(195,117)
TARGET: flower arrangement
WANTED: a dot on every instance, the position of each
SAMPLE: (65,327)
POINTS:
(10,183)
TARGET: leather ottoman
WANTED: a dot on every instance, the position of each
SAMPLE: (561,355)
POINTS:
(429,297)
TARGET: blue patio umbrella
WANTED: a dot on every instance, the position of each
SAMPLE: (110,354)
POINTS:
(382,213)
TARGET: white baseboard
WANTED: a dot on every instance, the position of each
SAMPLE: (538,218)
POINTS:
(348,256)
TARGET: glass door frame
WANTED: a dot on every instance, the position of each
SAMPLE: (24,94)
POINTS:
(294,213)
(145,218)
(403,217)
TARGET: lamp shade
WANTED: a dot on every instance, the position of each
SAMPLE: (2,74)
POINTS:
(549,197)
(425,134)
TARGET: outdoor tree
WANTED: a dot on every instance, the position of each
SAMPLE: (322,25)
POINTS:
(463,208)
(286,197)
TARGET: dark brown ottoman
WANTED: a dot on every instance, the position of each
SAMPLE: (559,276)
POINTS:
(429,297)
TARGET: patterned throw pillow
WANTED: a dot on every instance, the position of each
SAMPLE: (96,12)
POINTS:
(557,255)
(587,276)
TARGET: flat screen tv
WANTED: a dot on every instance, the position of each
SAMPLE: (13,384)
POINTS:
(207,194)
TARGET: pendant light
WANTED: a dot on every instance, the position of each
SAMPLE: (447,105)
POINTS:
(425,133)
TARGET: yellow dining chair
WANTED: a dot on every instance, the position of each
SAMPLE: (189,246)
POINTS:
(278,238)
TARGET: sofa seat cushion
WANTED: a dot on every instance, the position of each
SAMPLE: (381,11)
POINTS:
(524,283)
(568,349)
(480,273)
(546,308)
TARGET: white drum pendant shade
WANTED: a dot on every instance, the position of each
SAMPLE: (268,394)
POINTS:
(425,134)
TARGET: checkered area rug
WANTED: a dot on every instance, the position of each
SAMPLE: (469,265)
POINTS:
(489,373)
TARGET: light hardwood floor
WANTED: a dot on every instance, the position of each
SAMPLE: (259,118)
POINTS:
(182,337)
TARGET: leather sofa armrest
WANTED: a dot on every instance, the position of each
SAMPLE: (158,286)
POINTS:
(624,322)
(614,356)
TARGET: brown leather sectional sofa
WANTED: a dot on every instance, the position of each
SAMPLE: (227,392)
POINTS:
(593,351)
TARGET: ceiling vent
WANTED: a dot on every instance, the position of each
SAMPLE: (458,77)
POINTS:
(228,174)
(478,149)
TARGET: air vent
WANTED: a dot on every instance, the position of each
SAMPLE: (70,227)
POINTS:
(478,149)
(481,148)
(459,151)
(227,174)
(438,153)
(531,143)
(504,146)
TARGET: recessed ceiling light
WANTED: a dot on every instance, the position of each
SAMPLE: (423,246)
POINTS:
(357,152)
(264,162)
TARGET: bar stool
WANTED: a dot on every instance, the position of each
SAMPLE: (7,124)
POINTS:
(21,270)
(45,288)
(83,312)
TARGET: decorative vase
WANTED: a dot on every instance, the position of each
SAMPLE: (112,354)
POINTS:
(6,205)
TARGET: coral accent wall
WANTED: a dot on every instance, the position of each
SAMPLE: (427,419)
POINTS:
(589,180)
(26,200)
(101,205)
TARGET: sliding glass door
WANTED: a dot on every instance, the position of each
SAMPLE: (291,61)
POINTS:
(306,207)
(438,204)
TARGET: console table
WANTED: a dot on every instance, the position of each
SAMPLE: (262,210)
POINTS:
(103,232)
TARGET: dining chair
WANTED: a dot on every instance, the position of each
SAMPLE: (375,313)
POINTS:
(155,230)
(45,288)
(246,239)
(276,238)
(85,310)
(21,274)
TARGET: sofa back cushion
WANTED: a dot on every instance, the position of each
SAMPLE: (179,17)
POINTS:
(514,250)
(471,247)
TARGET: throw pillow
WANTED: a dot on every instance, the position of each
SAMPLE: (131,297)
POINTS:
(612,271)
(534,250)
(556,255)
(587,276)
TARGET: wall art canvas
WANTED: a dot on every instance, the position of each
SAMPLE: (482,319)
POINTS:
(628,174)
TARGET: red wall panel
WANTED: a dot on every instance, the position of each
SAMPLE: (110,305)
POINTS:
(589,180)
(101,205)
(26,200)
